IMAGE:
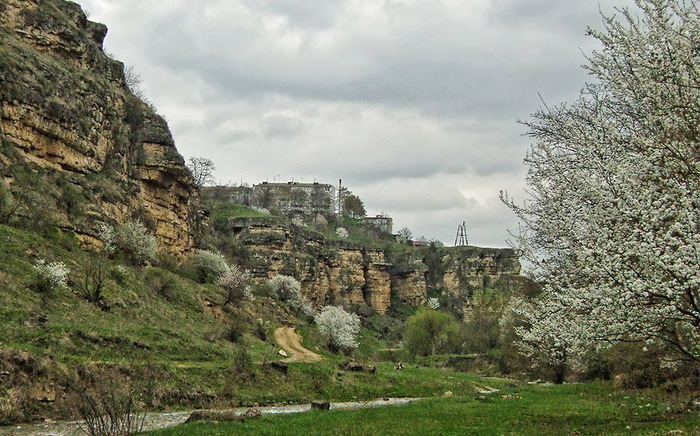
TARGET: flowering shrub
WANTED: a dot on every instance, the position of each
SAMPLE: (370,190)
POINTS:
(51,276)
(285,288)
(340,327)
(288,290)
(341,232)
(208,266)
(261,329)
(130,239)
(106,234)
(433,303)
(233,282)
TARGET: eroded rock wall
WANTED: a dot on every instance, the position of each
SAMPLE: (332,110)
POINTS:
(352,275)
(330,273)
(67,114)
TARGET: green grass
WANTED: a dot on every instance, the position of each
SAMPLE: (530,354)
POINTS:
(172,330)
(159,319)
(523,410)
(221,212)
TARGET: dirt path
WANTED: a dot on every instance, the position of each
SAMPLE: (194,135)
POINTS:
(290,341)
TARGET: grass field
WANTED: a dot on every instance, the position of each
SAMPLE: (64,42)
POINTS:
(519,409)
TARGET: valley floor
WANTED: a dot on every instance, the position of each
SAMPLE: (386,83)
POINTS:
(517,409)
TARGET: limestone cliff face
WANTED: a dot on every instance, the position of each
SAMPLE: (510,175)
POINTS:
(343,273)
(472,267)
(330,273)
(410,286)
(68,116)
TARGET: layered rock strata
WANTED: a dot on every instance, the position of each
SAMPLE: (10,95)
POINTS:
(68,116)
(344,273)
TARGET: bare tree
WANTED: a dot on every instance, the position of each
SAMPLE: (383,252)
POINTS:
(202,170)
(94,277)
(133,81)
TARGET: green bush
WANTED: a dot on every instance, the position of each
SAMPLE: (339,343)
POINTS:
(8,206)
(430,332)
(242,367)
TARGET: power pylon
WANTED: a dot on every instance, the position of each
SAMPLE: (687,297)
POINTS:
(461,238)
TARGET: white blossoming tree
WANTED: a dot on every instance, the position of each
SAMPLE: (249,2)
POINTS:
(51,276)
(288,290)
(233,281)
(340,327)
(612,224)
(208,266)
(132,239)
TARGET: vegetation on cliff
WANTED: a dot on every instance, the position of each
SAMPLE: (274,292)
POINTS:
(78,148)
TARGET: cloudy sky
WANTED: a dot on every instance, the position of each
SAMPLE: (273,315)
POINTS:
(413,103)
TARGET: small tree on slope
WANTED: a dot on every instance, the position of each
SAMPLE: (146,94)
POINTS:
(340,327)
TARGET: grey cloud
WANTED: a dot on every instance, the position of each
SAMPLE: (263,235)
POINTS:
(415,68)
(281,126)
(413,103)
(308,14)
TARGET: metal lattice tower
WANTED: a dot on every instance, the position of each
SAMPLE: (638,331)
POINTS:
(461,238)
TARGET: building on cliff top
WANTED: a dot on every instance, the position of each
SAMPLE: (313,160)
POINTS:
(289,199)
(383,222)
(294,199)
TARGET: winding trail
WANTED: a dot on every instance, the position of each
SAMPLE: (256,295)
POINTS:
(290,341)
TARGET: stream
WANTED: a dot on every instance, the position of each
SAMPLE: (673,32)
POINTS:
(160,420)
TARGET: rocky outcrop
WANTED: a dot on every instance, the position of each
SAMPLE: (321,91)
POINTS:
(377,288)
(410,286)
(344,273)
(67,116)
(330,273)
(473,267)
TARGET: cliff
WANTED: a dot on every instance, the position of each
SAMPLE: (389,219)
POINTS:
(78,147)
(337,272)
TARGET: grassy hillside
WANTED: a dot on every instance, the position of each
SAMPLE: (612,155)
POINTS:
(163,335)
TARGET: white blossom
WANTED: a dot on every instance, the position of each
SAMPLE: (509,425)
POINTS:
(612,226)
(288,290)
(51,276)
(233,282)
(339,326)
(105,233)
(131,239)
(341,232)
(433,303)
(208,265)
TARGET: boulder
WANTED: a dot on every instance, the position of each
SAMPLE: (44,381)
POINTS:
(280,366)
(358,367)
(320,405)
